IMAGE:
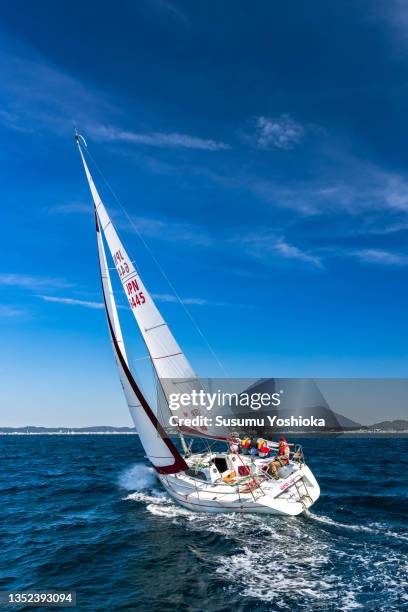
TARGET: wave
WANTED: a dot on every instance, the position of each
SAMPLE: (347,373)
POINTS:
(159,504)
(137,477)
(287,561)
(374,528)
(140,478)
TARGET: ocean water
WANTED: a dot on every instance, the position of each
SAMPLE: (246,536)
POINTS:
(86,513)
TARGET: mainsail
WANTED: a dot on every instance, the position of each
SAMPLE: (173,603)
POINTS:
(158,447)
(172,368)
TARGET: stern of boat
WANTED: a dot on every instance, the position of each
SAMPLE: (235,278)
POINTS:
(299,492)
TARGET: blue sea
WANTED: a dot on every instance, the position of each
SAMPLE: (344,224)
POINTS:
(86,513)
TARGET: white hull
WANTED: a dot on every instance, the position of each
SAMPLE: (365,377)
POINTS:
(295,491)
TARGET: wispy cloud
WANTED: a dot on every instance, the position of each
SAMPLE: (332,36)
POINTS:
(171,140)
(172,231)
(293,252)
(172,9)
(172,299)
(159,297)
(71,208)
(279,132)
(302,198)
(26,281)
(72,301)
(10,120)
(378,256)
(147,226)
(36,96)
(10,312)
(354,187)
(191,301)
(268,244)
(395,191)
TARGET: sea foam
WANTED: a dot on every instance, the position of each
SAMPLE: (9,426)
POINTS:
(138,477)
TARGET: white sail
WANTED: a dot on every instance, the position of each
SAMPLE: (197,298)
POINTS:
(158,447)
(171,365)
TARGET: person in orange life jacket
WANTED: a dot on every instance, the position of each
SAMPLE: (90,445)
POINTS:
(281,459)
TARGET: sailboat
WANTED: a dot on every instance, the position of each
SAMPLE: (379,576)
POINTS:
(206,481)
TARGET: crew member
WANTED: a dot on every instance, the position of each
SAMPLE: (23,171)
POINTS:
(245,445)
(281,459)
(263,448)
(234,443)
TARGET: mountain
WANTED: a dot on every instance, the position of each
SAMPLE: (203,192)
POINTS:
(397,425)
(345,422)
(300,397)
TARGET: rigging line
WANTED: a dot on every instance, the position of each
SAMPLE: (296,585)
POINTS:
(159,267)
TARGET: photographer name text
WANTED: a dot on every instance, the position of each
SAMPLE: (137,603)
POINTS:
(250,422)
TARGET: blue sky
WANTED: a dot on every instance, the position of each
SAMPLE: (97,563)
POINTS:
(262,154)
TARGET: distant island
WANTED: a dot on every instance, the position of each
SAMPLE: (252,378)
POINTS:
(347,426)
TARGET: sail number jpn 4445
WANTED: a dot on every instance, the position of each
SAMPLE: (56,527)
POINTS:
(135,296)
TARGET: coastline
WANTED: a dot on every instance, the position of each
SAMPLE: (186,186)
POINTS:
(69,433)
(403,433)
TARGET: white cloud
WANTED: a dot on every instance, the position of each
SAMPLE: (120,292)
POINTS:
(160,297)
(353,187)
(168,297)
(72,302)
(280,132)
(171,140)
(26,281)
(396,192)
(379,256)
(192,301)
(10,120)
(70,209)
(267,244)
(292,252)
(36,96)
(164,230)
(9,312)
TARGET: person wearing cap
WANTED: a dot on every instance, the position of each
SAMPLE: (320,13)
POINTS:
(281,459)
